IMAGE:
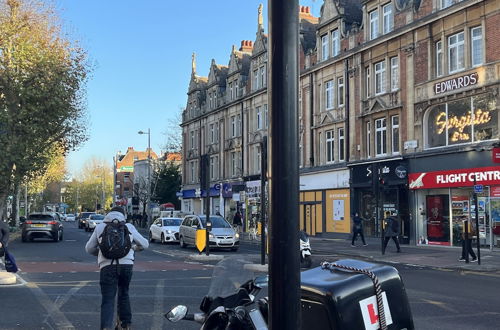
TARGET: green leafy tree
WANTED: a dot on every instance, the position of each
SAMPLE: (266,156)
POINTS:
(42,92)
(168,184)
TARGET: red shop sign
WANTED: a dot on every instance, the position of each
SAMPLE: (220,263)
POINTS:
(455,178)
(495,154)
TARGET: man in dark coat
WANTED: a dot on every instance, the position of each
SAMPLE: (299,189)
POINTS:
(357,229)
(4,236)
(391,231)
(237,221)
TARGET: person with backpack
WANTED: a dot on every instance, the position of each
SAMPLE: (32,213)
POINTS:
(391,231)
(114,242)
(357,229)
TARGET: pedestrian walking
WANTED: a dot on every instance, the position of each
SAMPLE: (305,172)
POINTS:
(4,237)
(357,229)
(237,221)
(467,242)
(252,233)
(116,260)
(391,230)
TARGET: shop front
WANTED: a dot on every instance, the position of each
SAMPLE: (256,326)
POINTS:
(380,187)
(443,199)
(325,203)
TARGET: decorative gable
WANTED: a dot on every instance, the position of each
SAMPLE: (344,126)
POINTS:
(329,10)
(260,45)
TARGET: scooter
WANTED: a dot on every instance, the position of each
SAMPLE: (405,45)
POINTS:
(305,250)
(346,294)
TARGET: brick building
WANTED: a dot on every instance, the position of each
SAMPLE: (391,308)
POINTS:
(398,112)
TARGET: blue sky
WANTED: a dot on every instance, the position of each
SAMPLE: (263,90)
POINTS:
(142,55)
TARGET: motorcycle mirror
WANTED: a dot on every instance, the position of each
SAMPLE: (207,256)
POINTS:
(177,313)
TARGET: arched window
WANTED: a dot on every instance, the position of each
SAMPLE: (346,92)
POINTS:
(466,120)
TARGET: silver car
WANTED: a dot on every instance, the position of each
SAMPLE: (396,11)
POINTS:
(222,234)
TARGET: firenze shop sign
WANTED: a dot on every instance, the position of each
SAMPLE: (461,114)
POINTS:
(455,83)
(455,178)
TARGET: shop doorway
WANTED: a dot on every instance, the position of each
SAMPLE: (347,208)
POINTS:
(308,217)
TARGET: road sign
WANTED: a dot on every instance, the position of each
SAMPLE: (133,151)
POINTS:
(478,188)
(201,239)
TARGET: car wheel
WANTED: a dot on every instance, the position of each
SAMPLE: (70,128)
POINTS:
(234,249)
(55,237)
(307,262)
(62,236)
(181,243)
(163,241)
(151,239)
(24,239)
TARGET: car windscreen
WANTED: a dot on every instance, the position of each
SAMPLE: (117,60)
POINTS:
(217,222)
(86,215)
(70,215)
(172,222)
(96,217)
(43,217)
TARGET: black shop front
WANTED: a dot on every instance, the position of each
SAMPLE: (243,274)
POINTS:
(378,187)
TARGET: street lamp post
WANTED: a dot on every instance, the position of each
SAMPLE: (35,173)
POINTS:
(149,173)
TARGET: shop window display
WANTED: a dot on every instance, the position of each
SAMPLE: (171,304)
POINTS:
(438,220)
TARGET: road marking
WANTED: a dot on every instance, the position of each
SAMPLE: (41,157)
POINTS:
(70,240)
(60,303)
(441,305)
(53,311)
(158,309)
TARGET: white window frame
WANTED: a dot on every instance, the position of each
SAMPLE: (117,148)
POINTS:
(340,92)
(210,101)
(374,24)
(330,146)
(192,139)
(478,41)
(388,18)
(230,91)
(215,99)
(192,169)
(320,153)
(381,137)
(255,79)
(266,116)
(233,126)
(458,47)
(213,167)
(439,58)
(238,128)
(368,82)
(324,47)
(380,77)
(259,118)
(394,73)
(445,3)
(341,148)
(329,94)
(263,76)
(368,139)
(395,135)
(258,156)
(216,132)
(335,42)
(212,133)
(234,163)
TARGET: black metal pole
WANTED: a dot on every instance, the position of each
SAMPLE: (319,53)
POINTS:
(380,221)
(477,224)
(263,204)
(284,257)
(466,238)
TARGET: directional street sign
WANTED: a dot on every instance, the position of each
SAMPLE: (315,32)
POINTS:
(478,188)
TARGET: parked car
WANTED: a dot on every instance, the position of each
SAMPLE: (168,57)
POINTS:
(70,217)
(222,234)
(93,221)
(82,219)
(42,225)
(165,230)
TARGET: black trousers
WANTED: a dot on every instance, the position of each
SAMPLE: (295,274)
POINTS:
(355,235)
(395,239)
(468,248)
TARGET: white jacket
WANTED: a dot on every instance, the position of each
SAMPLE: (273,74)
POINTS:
(92,245)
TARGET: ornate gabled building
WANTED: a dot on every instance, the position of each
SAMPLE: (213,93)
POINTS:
(398,112)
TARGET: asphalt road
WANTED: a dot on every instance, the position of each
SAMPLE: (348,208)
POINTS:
(62,289)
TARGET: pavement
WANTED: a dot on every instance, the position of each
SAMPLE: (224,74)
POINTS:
(422,256)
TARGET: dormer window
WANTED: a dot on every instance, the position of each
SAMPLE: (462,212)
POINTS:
(373,24)
(324,47)
(335,42)
(388,18)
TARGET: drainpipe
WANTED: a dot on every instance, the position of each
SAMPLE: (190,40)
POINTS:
(311,118)
(346,106)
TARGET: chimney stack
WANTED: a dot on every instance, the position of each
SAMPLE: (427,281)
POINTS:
(246,46)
